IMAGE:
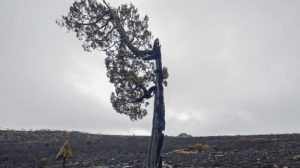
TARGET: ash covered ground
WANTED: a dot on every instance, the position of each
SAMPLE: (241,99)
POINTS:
(25,149)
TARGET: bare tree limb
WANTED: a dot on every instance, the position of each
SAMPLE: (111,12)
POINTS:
(147,94)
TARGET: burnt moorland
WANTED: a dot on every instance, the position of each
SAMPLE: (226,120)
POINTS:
(25,149)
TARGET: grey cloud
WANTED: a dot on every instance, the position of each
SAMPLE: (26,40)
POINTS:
(234,69)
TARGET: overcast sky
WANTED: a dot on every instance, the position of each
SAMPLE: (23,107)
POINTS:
(234,69)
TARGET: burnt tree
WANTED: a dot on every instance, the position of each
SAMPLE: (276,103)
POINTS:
(133,64)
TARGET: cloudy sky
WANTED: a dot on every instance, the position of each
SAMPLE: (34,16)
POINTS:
(234,69)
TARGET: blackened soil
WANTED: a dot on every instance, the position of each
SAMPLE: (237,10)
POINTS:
(25,149)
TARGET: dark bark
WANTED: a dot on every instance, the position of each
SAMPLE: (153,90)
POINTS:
(158,125)
(147,94)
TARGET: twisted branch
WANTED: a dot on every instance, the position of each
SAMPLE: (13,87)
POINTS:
(143,54)
(147,94)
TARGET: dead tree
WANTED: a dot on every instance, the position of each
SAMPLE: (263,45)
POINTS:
(133,64)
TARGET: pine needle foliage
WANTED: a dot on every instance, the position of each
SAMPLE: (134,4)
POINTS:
(98,26)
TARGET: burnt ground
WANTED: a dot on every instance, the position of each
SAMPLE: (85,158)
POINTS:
(25,149)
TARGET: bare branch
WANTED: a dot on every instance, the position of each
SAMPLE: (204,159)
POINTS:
(147,94)
(149,56)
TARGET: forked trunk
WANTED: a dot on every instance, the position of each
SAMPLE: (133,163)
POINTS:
(158,125)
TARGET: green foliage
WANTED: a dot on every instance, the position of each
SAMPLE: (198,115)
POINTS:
(96,25)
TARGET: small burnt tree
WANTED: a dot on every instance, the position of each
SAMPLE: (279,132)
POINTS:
(133,64)
(64,152)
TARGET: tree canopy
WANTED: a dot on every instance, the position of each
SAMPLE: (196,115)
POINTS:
(124,36)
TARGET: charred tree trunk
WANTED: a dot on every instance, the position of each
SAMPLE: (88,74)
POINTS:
(158,125)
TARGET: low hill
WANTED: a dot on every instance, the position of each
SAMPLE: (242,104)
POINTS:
(25,149)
